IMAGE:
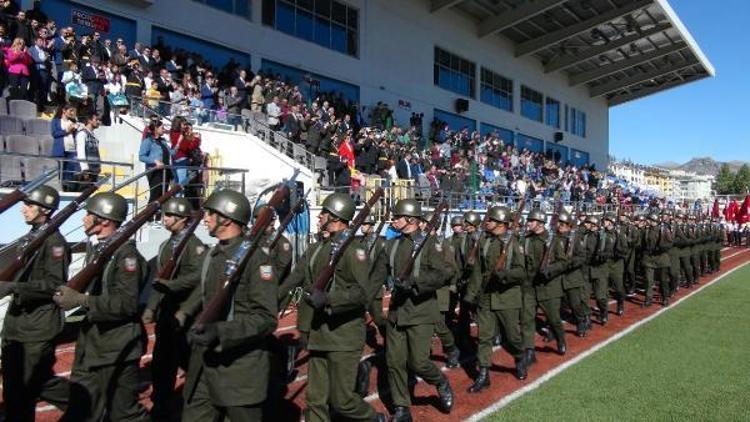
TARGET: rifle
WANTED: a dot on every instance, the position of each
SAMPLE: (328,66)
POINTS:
(296,209)
(20,193)
(420,241)
(515,227)
(31,242)
(472,257)
(180,243)
(345,238)
(444,226)
(550,236)
(377,231)
(106,249)
(572,233)
(234,266)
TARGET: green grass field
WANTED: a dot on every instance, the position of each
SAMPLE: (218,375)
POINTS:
(690,363)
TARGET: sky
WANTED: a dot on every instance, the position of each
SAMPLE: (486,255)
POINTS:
(706,118)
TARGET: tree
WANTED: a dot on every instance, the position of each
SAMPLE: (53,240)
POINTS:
(742,179)
(724,182)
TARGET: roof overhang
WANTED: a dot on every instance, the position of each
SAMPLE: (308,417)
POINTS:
(620,50)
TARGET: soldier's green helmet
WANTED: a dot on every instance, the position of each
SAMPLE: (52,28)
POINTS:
(339,205)
(499,214)
(536,215)
(592,219)
(407,208)
(180,207)
(611,217)
(654,217)
(230,204)
(565,217)
(108,205)
(457,221)
(472,218)
(44,196)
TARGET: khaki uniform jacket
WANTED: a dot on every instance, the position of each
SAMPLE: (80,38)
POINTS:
(533,252)
(32,316)
(111,331)
(444,293)
(237,369)
(186,277)
(558,262)
(428,275)
(502,288)
(340,326)
(583,246)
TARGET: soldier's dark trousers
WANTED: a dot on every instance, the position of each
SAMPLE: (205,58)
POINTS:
(444,333)
(330,382)
(687,268)
(528,316)
(579,307)
(28,377)
(696,265)
(171,351)
(673,271)
(600,284)
(200,408)
(661,274)
(551,308)
(489,323)
(616,275)
(629,272)
(409,351)
(110,390)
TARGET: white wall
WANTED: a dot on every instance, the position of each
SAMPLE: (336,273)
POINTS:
(397,38)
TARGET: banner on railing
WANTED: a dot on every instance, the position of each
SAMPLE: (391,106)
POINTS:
(93,21)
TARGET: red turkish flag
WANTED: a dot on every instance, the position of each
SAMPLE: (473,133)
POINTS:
(742,216)
(715,210)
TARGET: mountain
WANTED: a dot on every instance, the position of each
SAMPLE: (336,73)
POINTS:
(702,165)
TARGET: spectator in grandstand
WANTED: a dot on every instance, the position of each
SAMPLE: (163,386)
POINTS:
(156,155)
(185,146)
(21,28)
(64,128)
(87,148)
(233,101)
(41,72)
(17,63)
(256,99)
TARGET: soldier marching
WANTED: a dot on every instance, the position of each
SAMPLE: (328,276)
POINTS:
(496,270)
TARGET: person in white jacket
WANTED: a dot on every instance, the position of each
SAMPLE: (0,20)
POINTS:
(274,111)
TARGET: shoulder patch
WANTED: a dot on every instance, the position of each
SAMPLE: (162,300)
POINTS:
(266,272)
(200,249)
(131,264)
(361,254)
(58,252)
(285,246)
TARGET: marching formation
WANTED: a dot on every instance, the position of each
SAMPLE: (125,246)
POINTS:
(216,308)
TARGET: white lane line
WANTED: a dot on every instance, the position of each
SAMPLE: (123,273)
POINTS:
(567,364)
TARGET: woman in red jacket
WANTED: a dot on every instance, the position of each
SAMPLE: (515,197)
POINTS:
(17,62)
(184,147)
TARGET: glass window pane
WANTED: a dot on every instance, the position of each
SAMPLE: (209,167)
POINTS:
(352,42)
(323,32)
(339,13)
(352,20)
(305,25)
(285,17)
(323,8)
(305,4)
(225,5)
(269,12)
(338,38)
(242,8)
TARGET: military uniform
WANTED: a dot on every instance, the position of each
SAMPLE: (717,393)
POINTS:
(657,242)
(110,343)
(171,349)
(599,271)
(616,250)
(533,250)
(231,378)
(443,294)
(574,280)
(682,243)
(497,294)
(31,325)
(548,286)
(375,245)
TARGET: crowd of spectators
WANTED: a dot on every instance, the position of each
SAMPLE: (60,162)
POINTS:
(99,76)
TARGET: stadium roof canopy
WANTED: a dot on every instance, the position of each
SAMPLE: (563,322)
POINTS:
(621,50)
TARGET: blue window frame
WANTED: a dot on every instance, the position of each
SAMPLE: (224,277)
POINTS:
(216,54)
(577,122)
(496,90)
(579,158)
(531,103)
(529,142)
(454,121)
(85,19)
(327,23)
(303,79)
(552,112)
(454,73)
(505,135)
(235,7)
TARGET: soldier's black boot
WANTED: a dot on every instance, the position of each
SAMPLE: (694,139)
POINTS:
(620,307)
(445,393)
(521,369)
(530,357)
(362,384)
(665,301)
(562,346)
(451,358)
(401,414)
(497,340)
(581,329)
(482,380)
(648,302)
(603,312)
(291,360)
(380,417)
